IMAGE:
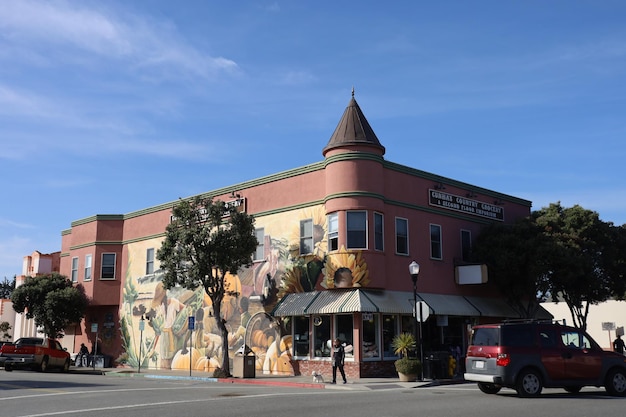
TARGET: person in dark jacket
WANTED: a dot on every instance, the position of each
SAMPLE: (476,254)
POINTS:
(339,355)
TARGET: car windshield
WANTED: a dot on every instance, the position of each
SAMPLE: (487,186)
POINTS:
(30,341)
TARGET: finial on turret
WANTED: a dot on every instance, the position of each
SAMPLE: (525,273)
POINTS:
(352,91)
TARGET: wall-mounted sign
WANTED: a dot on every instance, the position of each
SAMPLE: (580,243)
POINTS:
(465,205)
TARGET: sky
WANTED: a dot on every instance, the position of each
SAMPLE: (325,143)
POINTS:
(116,106)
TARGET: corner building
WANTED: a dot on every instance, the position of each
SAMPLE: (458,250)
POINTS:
(335,241)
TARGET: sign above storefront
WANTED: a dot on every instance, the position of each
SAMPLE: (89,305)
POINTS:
(465,205)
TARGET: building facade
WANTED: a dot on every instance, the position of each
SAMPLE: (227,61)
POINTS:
(335,241)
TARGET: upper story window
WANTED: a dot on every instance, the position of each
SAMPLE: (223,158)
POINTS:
(402,236)
(466,244)
(357,230)
(259,255)
(306,236)
(88,265)
(74,273)
(435,242)
(108,266)
(378,232)
(149,261)
(333,232)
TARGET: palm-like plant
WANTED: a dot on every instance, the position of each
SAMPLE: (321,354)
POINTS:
(403,344)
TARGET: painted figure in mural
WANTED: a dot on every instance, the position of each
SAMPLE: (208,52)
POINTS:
(343,278)
(168,309)
(339,355)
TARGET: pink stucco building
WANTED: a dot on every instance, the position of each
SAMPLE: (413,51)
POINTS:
(353,213)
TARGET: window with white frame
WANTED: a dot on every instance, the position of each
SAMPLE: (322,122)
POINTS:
(378,232)
(357,230)
(88,265)
(149,261)
(390,330)
(301,336)
(333,231)
(107,269)
(466,244)
(306,236)
(371,338)
(259,255)
(402,236)
(435,242)
(74,273)
(344,329)
(322,341)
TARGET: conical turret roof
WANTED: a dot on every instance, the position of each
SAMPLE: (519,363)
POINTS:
(353,129)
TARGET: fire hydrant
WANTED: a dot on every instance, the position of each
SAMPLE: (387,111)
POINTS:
(451,366)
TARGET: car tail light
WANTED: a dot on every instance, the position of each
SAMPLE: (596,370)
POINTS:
(503,359)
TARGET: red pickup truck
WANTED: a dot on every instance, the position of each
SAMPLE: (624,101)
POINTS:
(35,353)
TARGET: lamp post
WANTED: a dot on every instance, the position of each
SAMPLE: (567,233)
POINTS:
(141,327)
(414,270)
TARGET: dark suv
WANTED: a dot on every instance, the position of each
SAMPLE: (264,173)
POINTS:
(530,355)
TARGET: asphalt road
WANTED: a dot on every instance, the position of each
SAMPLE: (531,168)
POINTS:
(24,393)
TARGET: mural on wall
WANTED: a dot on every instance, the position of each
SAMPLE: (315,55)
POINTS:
(166,342)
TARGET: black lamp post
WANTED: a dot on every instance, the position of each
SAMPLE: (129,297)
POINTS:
(414,270)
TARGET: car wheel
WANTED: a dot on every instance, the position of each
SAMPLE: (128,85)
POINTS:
(529,384)
(616,383)
(573,389)
(489,388)
(8,367)
(44,365)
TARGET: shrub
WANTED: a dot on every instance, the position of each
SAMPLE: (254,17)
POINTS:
(408,366)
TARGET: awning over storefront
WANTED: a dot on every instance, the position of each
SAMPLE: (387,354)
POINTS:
(493,307)
(344,301)
(448,305)
(394,302)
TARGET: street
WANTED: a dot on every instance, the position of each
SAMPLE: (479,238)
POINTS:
(56,394)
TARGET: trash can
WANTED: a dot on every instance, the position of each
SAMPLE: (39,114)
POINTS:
(244,363)
(432,365)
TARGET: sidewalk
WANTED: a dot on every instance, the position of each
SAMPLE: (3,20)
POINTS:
(300,381)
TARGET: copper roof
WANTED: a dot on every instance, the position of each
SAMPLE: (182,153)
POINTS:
(353,129)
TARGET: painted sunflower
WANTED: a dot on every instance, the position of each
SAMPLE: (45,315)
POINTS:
(352,260)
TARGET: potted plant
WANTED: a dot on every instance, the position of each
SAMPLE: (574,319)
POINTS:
(408,368)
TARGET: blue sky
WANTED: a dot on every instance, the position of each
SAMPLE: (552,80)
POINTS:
(112,107)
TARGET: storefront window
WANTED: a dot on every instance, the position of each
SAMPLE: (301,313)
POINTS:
(371,340)
(390,330)
(321,336)
(301,336)
(344,331)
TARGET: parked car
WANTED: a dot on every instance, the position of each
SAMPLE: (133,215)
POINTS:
(35,353)
(530,355)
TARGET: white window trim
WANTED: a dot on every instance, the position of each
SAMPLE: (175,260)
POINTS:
(333,234)
(347,231)
(114,266)
(74,269)
(90,266)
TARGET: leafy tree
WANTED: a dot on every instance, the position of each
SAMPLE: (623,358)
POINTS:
(516,256)
(4,330)
(204,241)
(566,254)
(52,301)
(6,288)
(587,260)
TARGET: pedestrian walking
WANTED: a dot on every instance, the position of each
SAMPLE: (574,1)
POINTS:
(339,354)
(618,344)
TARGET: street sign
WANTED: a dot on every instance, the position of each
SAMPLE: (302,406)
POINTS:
(423,311)
(192,323)
(94,327)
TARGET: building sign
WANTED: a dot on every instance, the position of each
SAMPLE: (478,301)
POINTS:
(465,205)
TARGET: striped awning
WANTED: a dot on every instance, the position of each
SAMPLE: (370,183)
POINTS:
(369,301)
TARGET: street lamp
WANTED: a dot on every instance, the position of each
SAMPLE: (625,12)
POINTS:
(414,270)
(141,327)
